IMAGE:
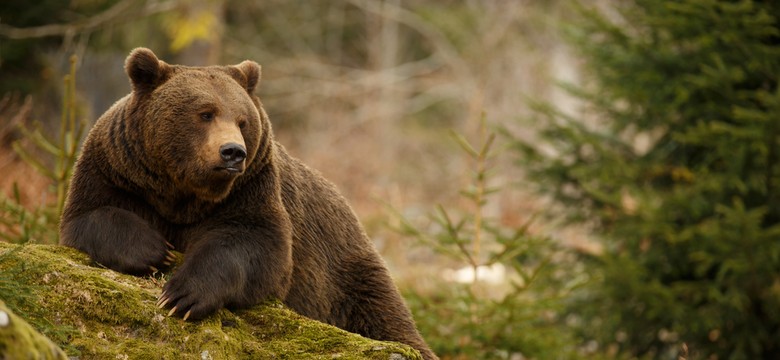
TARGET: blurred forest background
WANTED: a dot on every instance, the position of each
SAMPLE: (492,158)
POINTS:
(546,179)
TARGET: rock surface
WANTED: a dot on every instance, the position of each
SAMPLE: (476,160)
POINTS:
(95,313)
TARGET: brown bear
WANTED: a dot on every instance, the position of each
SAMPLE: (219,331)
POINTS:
(187,161)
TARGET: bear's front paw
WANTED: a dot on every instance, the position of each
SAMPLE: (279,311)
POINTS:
(118,239)
(145,255)
(190,298)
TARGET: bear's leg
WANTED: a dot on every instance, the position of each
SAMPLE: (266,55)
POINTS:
(230,267)
(117,239)
(374,308)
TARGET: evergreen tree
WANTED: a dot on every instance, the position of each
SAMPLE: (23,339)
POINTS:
(674,165)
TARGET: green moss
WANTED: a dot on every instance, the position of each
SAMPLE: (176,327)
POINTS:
(96,313)
(18,340)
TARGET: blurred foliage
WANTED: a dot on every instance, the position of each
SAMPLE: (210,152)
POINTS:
(674,164)
(31,34)
(517,313)
(23,64)
(41,225)
(184,30)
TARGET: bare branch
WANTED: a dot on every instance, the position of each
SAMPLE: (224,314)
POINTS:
(118,12)
(443,47)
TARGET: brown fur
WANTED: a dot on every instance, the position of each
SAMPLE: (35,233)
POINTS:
(150,172)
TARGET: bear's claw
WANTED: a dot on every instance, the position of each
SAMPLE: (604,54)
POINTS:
(162,301)
(170,258)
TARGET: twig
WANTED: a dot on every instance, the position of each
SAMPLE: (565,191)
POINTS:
(116,12)
(440,42)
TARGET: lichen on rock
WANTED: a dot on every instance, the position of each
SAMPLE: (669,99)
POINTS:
(96,313)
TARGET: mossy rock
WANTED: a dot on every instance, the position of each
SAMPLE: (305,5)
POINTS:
(18,340)
(97,313)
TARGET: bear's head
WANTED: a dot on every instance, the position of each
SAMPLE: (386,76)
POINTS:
(201,126)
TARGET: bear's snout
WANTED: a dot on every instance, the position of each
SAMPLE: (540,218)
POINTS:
(232,155)
(225,150)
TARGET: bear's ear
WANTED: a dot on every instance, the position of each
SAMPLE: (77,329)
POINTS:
(146,72)
(251,73)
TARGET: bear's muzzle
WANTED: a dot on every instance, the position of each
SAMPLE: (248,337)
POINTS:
(233,156)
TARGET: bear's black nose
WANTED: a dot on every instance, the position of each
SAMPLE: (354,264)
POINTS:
(232,153)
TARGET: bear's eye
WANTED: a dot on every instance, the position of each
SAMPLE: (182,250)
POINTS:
(207,116)
(242,124)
